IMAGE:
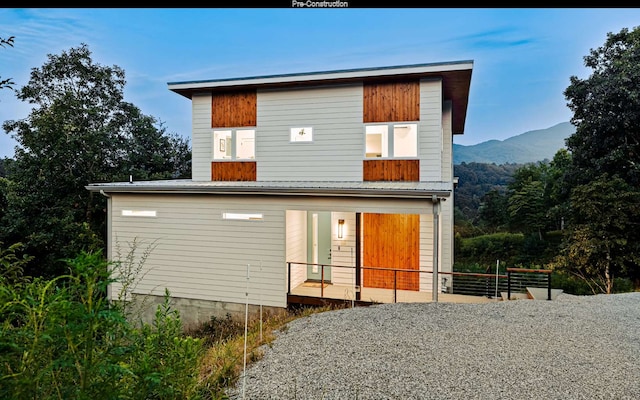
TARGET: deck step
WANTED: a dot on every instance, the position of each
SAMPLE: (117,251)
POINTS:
(533,293)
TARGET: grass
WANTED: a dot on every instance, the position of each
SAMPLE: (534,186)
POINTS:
(224,361)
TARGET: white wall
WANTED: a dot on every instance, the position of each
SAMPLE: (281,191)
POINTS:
(297,245)
(430,130)
(337,149)
(202,136)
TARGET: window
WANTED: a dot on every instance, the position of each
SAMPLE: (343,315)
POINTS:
(304,134)
(138,213)
(243,216)
(402,142)
(234,144)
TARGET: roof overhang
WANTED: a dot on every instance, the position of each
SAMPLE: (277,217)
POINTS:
(411,190)
(456,78)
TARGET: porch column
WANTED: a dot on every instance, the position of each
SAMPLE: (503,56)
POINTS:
(436,232)
(358,258)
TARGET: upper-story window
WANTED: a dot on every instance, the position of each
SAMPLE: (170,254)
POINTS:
(393,140)
(234,144)
(302,134)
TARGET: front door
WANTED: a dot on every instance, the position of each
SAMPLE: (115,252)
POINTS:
(319,245)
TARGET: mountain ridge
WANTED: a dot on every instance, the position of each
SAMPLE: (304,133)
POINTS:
(531,146)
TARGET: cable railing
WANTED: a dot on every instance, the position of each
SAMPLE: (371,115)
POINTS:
(393,285)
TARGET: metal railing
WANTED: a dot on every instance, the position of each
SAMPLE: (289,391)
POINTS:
(519,279)
(404,281)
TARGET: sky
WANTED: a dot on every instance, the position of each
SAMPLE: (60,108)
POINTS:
(522,58)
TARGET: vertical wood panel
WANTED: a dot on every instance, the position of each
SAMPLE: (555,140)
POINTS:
(393,101)
(391,241)
(233,171)
(233,109)
(391,170)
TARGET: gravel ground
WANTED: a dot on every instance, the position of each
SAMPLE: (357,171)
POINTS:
(574,347)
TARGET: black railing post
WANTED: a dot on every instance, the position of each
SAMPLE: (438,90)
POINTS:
(549,286)
(322,282)
(395,291)
(289,278)
(508,285)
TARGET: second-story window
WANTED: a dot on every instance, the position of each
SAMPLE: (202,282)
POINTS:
(393,140)
(234,144)
(302,134)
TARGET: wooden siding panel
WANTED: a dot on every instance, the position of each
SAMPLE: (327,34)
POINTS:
(391,241)
(235,109)
(233,171)
(391,101)
(337,149)
(391,170)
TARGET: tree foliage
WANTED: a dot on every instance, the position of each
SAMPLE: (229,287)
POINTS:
(604,242)
(80,131)
(605,111)
(6,83)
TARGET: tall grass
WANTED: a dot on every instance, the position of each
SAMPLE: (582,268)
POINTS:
(63,339)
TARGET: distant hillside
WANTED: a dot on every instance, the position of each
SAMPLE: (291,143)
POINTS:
(528,147)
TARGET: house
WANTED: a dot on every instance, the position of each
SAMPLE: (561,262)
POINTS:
(341,177)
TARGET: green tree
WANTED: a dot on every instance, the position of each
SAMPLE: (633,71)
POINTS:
(80,131)
(6,83)
(605,162)
(604,242)
(605,111)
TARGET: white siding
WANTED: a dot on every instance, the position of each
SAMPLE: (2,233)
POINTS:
(343,251)
(430,130)
(198,255)
(202,136)
(446,216)
(337,149)
(297,245)
(426,252)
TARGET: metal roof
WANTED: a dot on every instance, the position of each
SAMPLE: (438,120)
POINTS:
(291,188)
(455,75)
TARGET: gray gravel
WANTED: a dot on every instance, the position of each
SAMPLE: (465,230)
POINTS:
(573,347)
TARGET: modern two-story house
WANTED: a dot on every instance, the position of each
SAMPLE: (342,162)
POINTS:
(337,177)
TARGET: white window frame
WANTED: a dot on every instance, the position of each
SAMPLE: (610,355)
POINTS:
(390,140)
(295,135)
(233,151)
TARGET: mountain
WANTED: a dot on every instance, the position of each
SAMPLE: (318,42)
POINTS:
(527,147)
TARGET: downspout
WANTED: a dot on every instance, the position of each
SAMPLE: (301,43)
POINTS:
(436,232)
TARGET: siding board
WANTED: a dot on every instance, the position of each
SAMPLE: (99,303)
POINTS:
(391,101)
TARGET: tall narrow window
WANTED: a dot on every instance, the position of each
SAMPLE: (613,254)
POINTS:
(234,144)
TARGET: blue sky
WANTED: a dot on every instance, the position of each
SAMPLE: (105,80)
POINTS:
(523,58)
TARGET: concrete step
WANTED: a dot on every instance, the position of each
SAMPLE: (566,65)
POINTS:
(533,293)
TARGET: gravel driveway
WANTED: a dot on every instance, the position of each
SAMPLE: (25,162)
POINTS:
(573,347)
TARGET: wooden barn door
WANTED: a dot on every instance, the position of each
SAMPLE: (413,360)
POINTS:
(391,241)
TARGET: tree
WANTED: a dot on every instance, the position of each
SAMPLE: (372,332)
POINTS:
(604,242)
(605,162)
(6,83)
(605,111)
(80,131)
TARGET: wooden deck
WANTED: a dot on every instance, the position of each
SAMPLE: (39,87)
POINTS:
(312,294)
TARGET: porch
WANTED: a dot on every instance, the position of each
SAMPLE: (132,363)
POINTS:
(456,287)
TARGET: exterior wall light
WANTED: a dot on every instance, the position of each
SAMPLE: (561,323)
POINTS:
(340,228)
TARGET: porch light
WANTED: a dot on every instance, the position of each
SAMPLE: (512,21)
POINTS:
(340,228)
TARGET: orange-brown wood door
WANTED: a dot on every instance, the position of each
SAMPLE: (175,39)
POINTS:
(391,241)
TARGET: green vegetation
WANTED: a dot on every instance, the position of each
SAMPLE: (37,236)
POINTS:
(61,338)
(578,213)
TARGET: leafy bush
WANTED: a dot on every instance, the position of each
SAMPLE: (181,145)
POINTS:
(61,338)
